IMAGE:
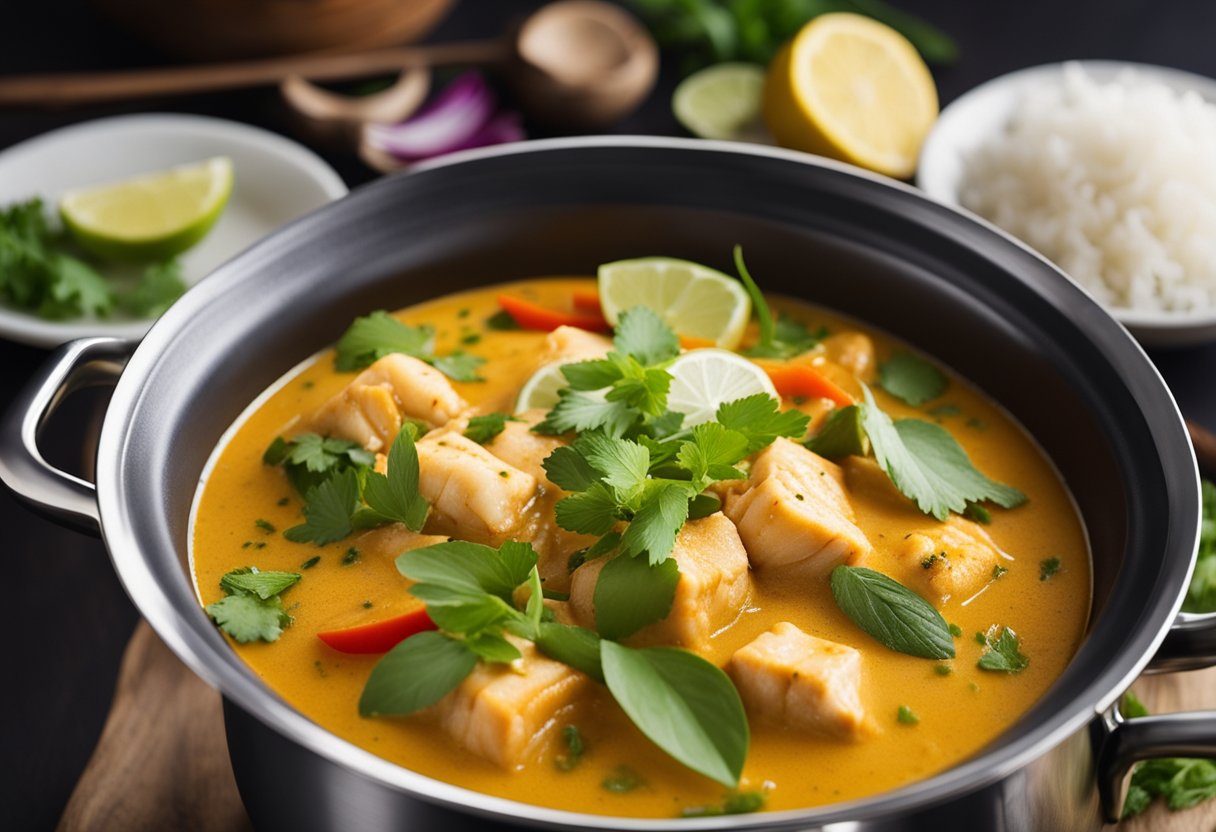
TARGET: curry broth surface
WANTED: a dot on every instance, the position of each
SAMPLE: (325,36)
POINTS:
(959,713)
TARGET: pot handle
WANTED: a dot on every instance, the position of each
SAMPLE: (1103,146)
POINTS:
(1123,742)
(1190,644)
(65,498)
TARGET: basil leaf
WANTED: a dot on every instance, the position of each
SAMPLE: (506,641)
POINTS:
(492,647)
(911,378)
(891,613)
(416,674)
(396,495)
(574,646)
(631,594)
(462,609)
(683,704)
(458,564)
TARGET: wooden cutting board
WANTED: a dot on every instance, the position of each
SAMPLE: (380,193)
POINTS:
(162,761)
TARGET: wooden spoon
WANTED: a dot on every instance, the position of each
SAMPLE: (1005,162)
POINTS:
(582,62)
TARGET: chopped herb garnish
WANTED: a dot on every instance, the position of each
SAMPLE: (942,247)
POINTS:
(891,613)
(980,638)
(252,609)
(906,716)
(956,631)
(976,423)
(309,459)
(463,312)
(502,321)
(367,605)
(1003,653)
(350,556)
(264,525)
(998,571)
(311,562)
(283,501)
(928,562)
(1049,568)
(470,338)
(622,780)
(928,465)
(943,411)
(1183,782)
(735,803)
(573,754)
(374,336)
(943,669)
(911,379)
(978,513)
(482,429)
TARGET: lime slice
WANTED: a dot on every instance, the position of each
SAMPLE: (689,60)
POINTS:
(721,102)
(703,380)
(694,300)
(150,217)
(540,391)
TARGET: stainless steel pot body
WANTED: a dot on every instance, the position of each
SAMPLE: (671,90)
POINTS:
(989,307)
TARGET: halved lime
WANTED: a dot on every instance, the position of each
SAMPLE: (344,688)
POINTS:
(150,217)
(703,380)
(721,102)
(694,300)
(540,391)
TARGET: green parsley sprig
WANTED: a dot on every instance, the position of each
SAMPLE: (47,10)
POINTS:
(374,336)
(1182,781)
(251,608)
(309,459)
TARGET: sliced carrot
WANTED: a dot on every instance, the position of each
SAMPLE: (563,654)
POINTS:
(531,315)
(588,300)
(804,380)
(379,636)
(691,342)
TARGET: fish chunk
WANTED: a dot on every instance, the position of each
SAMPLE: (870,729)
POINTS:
(389,541)
(569,343)
(474,495)
(787,677)
(371,408)
(854,351)
(713,589)
(527,451)
(954,559)
(795,509)
(503,712)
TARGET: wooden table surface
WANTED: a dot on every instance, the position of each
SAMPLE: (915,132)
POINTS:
(75,621)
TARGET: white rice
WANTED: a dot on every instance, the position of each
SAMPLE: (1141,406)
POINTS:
(1114,182)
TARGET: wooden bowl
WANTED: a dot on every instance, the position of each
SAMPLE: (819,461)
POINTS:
(229,29)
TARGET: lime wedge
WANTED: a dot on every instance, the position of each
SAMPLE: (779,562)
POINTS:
(694,300)
(540,390)
(150,217)
(704,380)
(721,102)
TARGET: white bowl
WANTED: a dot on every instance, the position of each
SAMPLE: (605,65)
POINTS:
(275,181)
(979,114)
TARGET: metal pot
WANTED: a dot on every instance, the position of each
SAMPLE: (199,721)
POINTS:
(869,247)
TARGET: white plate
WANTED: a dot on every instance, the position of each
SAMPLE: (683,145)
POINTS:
(275,181)
(981,113)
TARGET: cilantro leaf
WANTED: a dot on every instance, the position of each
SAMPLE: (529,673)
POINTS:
(757,417)
(642,334)
(712,454)
(248,618)
(642,388)
(622,464)
(262,584)
(1049,568)
(395,495)
(370,338)
(160,285)
(928,465)
(911,379)
(374,336)
(842,435)
(482,429)
(328,509)
(657,523)
(592,375)
(579,412)
(1003,653)
(75,289)
(631,594)
(591,512)
(891,613)
(567,468)
(416,674)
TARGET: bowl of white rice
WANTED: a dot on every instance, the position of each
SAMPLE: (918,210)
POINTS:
(1106,168)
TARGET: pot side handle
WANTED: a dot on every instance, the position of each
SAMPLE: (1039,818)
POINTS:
(1190,644)
(65,498)
(1124,742)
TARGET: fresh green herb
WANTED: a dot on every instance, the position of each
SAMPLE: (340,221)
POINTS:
(1003,653)
(158,288)
(735,803)
(622,780)
(1183,782)
(631,594)
(350,556)
(328,510)
(320,668)
(779,338)
(978,513)
(943,411)
(463,312)
(501,321)
(906,716)
(309,459)
(482,429)
(980,638)
(416,674)
(311,562)
(251,609)
(1049,568)
(891,613)
(264,525)
(759,419)
(956,631)
(927,563)
(394,496)
(1201,595)
(928,465)
(943,669)
(367,605)
(912,379)
(554,595)
(842,435)
(569,759)
(998,571)
(374,336)
(470,338)
(976,423)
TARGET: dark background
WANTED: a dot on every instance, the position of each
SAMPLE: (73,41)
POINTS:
(67,618)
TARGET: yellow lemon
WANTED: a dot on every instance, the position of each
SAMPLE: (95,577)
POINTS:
(853,89)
